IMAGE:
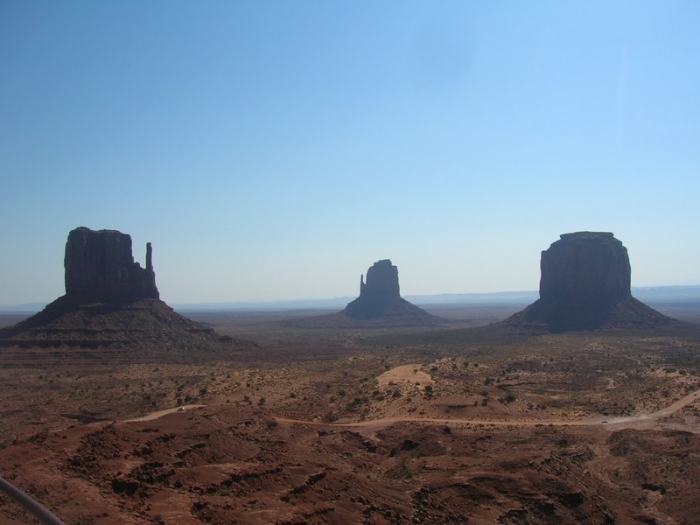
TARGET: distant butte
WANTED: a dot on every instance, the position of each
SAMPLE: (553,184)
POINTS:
(380,298)
(585,285)
(99,265)
(111,301)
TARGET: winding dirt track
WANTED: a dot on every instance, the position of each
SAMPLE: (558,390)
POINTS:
(161,413)
(374,425)
(624,422)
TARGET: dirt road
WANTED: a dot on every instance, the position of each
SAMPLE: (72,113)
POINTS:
(161,413)
(378,424)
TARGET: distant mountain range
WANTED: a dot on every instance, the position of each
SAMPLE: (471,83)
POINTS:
(647,294)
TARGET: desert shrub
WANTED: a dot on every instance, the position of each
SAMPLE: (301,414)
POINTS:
(508,397)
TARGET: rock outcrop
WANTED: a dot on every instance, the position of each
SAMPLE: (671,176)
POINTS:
(100,265)
(585,267)
(380,298)
(111,301)
(585,285)
(380,290)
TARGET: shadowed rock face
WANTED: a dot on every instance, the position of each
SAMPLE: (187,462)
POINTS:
(380,298)
(377,294)
(585,284)
(585,267)
(382,282)
(100,265)
(111,301)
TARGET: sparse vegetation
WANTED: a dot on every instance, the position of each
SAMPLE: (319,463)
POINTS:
(546,381)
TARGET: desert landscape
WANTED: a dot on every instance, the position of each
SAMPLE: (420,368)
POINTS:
(303,417)
(326,262)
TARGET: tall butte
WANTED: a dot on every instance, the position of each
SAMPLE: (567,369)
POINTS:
(99,265)
(585,285)
(380,298)
(111,301)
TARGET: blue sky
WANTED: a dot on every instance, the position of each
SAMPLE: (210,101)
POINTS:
(274,150)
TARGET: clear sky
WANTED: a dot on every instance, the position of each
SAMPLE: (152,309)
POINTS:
(274,150)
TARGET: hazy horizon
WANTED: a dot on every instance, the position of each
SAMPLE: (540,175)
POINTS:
(653,294)
(274,151)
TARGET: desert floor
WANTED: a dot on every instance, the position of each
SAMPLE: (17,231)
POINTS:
(451,424)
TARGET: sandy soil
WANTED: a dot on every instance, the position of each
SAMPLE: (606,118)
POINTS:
(341,427)
(405,373)
(160,413)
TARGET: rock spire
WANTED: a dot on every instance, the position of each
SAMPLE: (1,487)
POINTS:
(111,301)
(382,282)
(380,298)
(100,265)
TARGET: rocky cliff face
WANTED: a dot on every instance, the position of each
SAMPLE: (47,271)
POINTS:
(585,267)
(377,294)
(111,301)
(100,265)
(585,284)
(382,282)
(380,298)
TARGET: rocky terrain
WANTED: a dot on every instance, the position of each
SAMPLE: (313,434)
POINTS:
(555,428)
(99,265)
(117,410)
(111,311)
(380,298)
(379,305)
(585,285)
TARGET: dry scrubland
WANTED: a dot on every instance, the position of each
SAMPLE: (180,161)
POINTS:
(365,425)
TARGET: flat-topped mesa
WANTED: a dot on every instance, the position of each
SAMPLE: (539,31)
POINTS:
(585,285)
(100,265)
(585,268)
(111,301)
(380,299)
(382,282)
(378,294)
